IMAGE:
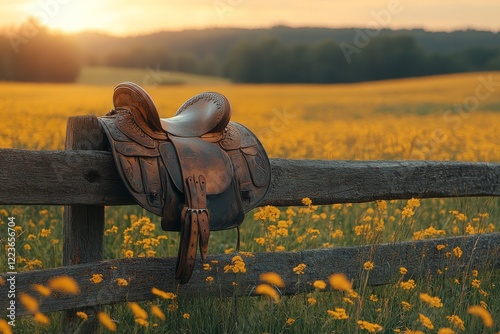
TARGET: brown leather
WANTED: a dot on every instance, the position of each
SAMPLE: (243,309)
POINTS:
(198,170)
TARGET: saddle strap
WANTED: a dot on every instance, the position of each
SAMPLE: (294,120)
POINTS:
(195,220)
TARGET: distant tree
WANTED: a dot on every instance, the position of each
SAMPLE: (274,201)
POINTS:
(391,57)
(475,59)
(39,55)
(328,65)
(186,63)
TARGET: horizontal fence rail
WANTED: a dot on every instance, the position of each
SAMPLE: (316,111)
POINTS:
(421,258)
(89,177)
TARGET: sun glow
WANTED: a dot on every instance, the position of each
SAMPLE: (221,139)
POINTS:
(68,16)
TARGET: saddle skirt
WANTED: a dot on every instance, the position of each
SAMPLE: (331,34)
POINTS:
(198,170)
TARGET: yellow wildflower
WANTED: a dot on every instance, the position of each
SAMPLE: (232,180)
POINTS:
(163,294)
(475,273)
(408,285)
(407,212)
(482,313)
(41,289)
(41,318)
(403,270)
(237,265)
(440,247)
(414,203)
(122,281)
(107,321)
(433,301)
(5,327)
(273,279)
(319,284)
(29,303)
(311,300)
(338,314)
(143,322)
(45,232)
(299,270)
(425,321)
(370,327)
(446,330)
(307,201)
(82,315)
(406,305)
(348,300)
(186,316)
(27,247)
(469,229)
(290,321)
(456,321)
(260,241)
(340,282)
(338,233)
(96,278)
(65,284)
(129,253)
(457,252)
(157,312)
(209,279)
(268,212)
(138,311)
(373,298)
(368,265)
(476,283)
(266,289)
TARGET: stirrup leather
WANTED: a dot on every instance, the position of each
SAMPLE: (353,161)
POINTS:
(195,220)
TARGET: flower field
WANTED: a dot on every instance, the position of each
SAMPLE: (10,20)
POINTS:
(455,117)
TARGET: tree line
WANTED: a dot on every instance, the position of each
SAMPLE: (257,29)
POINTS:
(32,53)
(271,61)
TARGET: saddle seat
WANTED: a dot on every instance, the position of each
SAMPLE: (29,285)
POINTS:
(204,115)
(197,170)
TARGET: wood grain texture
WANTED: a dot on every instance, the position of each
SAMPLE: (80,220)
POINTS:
(83,224)
(89,177)
(421,258)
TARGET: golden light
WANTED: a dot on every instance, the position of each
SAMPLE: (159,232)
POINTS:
(68,15)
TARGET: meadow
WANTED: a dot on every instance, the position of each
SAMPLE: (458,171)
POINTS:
(454,117)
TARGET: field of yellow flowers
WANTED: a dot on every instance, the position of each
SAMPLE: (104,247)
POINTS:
(455,117)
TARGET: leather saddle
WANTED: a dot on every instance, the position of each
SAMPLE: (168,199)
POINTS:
(198,170)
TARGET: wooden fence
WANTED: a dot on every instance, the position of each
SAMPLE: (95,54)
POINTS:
(84,179)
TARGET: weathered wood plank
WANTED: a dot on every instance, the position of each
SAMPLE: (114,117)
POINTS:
(89,177)
(83,224)
(421,258)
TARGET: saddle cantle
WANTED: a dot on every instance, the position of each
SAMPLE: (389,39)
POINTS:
(198,170)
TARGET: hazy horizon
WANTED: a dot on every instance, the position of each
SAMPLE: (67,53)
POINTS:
(126,18)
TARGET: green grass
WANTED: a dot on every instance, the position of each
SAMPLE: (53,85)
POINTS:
(146,77)
(259,314)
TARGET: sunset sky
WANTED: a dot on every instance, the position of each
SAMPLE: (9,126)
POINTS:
(126,17)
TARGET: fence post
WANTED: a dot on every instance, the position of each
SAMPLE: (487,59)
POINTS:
(83,224)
